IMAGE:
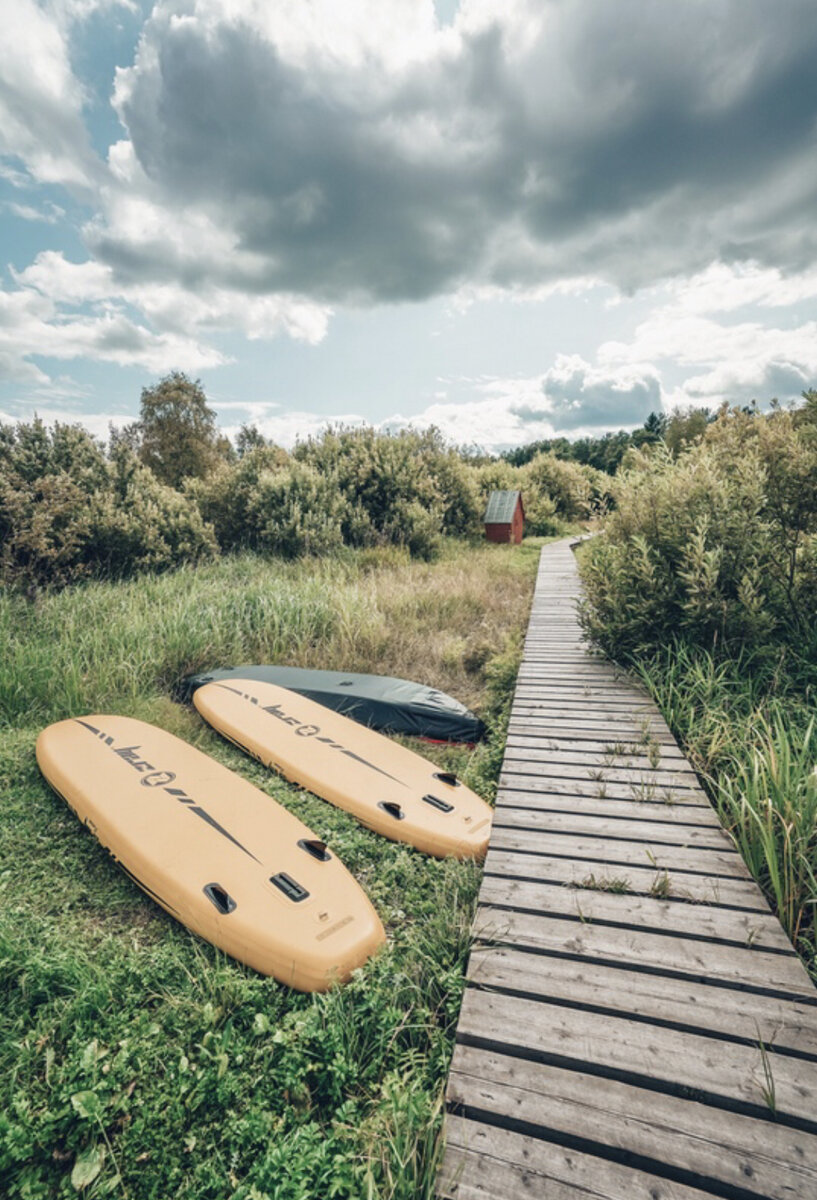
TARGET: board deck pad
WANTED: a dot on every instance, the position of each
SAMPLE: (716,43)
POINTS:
(213,850)
(388,788)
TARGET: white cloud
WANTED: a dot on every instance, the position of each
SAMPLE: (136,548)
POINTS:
(49,214)
(41,101)
(727,360)
(31,324)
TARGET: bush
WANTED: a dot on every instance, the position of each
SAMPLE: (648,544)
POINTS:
(567,484)
(718,546)
(296,511)
(226,496)
(68,513)
(405,488)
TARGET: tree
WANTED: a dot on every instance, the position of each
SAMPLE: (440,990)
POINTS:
(176,430)
(250,437)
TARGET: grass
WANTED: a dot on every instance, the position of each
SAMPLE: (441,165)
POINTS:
(751,734)
(137,1061)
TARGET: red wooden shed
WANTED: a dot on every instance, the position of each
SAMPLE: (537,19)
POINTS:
(504,517)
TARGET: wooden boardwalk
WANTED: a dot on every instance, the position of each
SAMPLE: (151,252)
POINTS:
(636,1025)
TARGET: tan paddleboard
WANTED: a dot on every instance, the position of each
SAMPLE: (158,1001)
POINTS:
(220,855)
(388,788)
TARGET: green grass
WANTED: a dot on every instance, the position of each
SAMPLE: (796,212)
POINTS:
(138,1061)
(750,732)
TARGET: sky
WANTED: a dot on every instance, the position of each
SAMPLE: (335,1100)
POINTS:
(511,219)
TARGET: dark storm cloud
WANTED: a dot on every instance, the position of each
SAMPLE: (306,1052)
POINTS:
(630,140)
(583,398)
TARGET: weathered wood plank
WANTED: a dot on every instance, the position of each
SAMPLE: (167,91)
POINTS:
(635,830)
(529,749)
(517,761)
(659,855)
(643,880)
(757,930)
(482,1161)
(524,781)
(711,1144)
(673,1058)
(731,1012)
(607,806)
(521,734)
(737,964)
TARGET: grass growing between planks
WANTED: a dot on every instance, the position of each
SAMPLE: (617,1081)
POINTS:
(751,733)
(137,1061)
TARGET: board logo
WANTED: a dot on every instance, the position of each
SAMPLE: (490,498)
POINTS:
(304,730)
(156,778)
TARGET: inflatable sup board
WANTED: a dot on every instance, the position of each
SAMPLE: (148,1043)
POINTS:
(218,854)
(380,701)
(388,788)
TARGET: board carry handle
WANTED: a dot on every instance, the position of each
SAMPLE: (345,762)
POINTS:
(437,803)
(293,890)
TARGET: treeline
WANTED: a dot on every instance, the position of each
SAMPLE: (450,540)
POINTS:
(170,489)
(675,430)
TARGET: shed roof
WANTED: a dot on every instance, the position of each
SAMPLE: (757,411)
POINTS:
(501,507)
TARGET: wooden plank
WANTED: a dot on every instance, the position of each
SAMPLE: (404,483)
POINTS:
(621,809)
(659,855)
(619,747)
(482,1161)
(644,831)
(646,721)
(524,781)
(760,931)
(611,702)
(518,760)
(643,880)
(671,1057)
(713,1145)
(587,729)
(731,1012)
(539,750)
(645,948)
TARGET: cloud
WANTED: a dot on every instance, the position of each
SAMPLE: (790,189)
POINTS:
(363,152)
(49,214)
(33,325)
(41,123)
(581,396)
(695,332)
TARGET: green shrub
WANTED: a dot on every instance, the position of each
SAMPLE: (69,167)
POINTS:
(67,512)
(404,488)
(569,485)
(717,546)
(226,496)
(295,511)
